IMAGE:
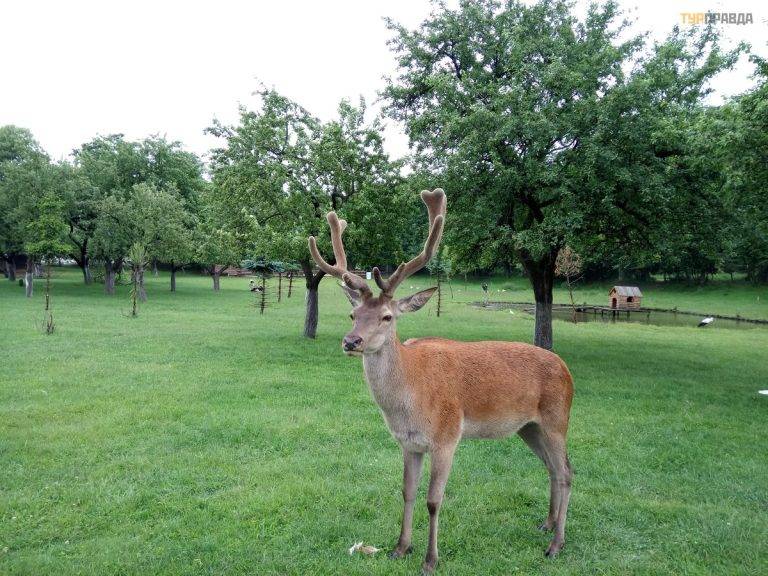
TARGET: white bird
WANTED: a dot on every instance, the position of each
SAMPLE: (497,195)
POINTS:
(706,321)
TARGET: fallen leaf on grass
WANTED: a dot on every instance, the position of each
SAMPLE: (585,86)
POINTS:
(366,549)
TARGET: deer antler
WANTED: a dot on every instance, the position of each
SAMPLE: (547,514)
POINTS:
(436,204)
(340,269)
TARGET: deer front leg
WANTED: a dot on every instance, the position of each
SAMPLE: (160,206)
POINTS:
(412,465)
(441,461)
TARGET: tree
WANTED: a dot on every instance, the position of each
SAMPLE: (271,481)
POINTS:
(281,170)
(568,266)
(168,226)
(46,233)
(216,246)
(440,269)
(167,165)
(115,230)
(112,167)
(23,178)
(738,136)
(541,127)
(80,211)
(137,255)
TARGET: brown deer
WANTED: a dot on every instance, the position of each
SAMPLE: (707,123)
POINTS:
(434,392)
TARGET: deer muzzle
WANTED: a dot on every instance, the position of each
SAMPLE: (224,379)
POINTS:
(352,343)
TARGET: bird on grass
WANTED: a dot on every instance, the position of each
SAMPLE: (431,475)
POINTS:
(706,321)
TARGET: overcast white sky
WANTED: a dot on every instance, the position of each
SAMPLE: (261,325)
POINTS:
(74,68)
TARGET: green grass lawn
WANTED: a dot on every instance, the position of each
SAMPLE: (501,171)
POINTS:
(203,438)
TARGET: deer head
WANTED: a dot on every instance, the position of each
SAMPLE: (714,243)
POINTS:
(374,316)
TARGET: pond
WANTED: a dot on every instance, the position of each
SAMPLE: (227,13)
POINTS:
(652,317)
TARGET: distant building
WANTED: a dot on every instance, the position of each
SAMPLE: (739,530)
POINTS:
(625,297)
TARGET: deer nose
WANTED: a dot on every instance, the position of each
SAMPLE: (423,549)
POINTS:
(351,343)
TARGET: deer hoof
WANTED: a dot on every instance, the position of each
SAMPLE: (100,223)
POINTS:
(428,567)
(554,549)
(546,526)
(399,552)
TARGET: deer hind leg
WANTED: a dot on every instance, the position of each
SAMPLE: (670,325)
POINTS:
(550,447)
(412,465)
(532,435)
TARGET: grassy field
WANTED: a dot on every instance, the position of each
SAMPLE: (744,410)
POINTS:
(203,438)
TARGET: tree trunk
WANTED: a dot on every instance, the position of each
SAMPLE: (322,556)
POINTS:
(279,287)
(109,277)
(154,267)
(263,297)
(216,277)
(290,284)
(310,319)
(29,277)
(311,315)
(142,288)
(173,277)
(87,276)
(542,275)
(11,267)
(543,330)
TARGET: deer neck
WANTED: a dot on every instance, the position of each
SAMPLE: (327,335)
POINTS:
(385,374)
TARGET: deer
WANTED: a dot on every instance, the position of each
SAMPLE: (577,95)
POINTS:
(434,392)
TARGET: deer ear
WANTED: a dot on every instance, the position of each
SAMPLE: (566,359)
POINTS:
(352,295)
(415,301)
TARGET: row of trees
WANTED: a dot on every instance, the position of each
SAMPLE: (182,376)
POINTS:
(271,184)
(546,131)
(112,195)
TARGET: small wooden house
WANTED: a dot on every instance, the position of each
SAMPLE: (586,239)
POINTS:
(625,297)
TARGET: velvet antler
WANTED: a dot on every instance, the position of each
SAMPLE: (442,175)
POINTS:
(340,269)
(436,205)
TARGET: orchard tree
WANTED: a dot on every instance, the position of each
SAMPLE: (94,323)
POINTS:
(167,165)
(111,166)
(103,219)
(281,170)
(216,246)
(24,176)
(168,226)
(46,240)
(80,199)
(116,229)
(740,142)
(541,126)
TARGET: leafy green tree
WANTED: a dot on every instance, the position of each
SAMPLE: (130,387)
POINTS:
(110,166)
(167,165)
(80,211)
(46,241)
(281,170)
(216,247)
(541,127)
(24,175)
(740,141)
(45,235)
(116,230)
(168,226)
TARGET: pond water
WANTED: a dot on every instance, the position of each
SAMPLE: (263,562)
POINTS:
(655,318)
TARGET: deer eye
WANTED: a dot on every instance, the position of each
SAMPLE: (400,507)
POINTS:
(387,318)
